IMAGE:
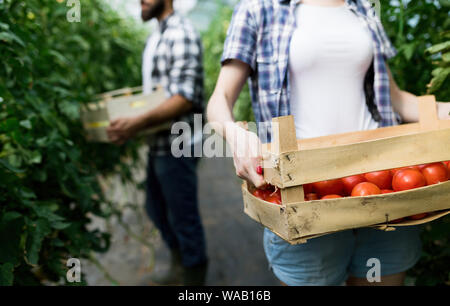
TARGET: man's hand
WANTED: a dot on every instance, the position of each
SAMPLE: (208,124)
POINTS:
(122,129)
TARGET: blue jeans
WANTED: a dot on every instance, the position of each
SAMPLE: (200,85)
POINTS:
(172,205)
(328,260)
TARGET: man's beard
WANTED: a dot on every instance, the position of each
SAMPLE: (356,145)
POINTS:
(154,11)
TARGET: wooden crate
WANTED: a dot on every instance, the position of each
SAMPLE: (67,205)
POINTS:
(126,102)
(290,163)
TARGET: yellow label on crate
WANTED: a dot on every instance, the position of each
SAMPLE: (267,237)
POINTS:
(137,104)
(97,124)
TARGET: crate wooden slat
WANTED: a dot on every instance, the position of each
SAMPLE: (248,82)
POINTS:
(290,163)
(300,222)
(345,160)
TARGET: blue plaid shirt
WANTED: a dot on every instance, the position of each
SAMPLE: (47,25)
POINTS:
(259,35)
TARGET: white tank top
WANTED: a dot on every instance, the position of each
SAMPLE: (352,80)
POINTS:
(329,56)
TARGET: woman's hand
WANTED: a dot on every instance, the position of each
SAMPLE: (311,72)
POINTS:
(246,148)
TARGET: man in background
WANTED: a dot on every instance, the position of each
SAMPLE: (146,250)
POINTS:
(172,58)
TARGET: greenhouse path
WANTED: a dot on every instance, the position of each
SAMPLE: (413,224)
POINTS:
(234,241)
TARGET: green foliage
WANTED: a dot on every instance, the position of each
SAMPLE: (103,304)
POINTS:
(47,170)
(439,82)
(413,27)
(213,41)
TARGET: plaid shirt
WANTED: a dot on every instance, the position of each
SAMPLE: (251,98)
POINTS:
(177,66)
(259,35)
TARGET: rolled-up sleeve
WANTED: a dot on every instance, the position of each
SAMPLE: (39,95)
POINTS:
(241,37)
(186,65)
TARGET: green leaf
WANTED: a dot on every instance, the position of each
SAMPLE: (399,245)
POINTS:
(437,71)
(439,47)
(59,57)
(69,109)
(27,193)
(44,210)
(60,225)
(11,229)
(11,37)
(6,165)
(445,3)
(4,26)
(26,124)
(35,157)
(36,233)
(446,57)
(6,274)
(438,80)
(408,50)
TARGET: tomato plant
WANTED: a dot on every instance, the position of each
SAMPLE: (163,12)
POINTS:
(48,171)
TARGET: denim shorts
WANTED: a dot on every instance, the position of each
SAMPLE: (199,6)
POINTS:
(329,260)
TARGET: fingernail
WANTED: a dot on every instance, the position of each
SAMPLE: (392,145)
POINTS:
(259,170)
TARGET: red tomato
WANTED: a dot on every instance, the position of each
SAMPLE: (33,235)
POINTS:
(258,193)
(269,187)
(383,179)
(422,166)
(331,196)
(261,193)
(418,216)
(273,199)
(329,187)
(365,189)
(277,194)
(406,179)
(447,163)
(351,181)
(387,191)
(435,173)
(308,188)
(311,197)
(394,171)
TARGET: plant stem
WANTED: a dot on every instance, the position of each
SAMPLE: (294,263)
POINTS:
(103,269)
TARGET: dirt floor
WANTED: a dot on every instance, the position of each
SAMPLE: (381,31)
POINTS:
(234,241)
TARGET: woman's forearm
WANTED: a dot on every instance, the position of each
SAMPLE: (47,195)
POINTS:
(231,80)
(407,105)
(220,116)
